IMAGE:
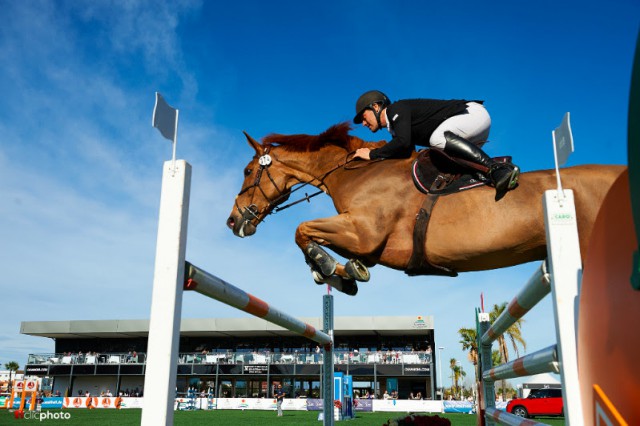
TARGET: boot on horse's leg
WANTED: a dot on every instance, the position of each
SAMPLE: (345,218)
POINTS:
(323,260)
(346,286)
(504,176)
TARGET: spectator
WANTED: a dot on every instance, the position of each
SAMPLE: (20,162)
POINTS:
(279,399)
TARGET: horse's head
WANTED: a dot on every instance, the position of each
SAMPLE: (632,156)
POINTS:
(281,162)
(265,186)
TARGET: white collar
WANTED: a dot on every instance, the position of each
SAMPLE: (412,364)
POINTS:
(387,120)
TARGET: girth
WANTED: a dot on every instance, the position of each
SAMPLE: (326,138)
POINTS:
(418,263)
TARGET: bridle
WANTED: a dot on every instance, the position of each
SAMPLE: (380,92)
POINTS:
(251,214)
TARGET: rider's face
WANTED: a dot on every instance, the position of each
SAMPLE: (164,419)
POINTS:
(369,120)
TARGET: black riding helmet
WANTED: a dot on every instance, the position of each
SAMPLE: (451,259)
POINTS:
(366,101)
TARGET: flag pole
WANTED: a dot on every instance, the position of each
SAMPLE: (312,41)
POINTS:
(175,142)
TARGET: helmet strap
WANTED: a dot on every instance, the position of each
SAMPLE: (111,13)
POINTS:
(377,115)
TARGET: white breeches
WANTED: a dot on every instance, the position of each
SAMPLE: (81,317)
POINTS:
(473,125)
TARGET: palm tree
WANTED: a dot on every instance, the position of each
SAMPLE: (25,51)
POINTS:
(457,373)
(12,366)
(495,358)
(513,334)
(470,343)
(452,365)
(460,374)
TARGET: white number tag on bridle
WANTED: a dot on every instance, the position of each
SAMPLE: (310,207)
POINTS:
(265,160)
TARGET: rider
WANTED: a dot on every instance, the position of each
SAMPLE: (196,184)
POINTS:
(453,126)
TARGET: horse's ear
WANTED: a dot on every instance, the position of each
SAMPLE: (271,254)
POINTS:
(254,143)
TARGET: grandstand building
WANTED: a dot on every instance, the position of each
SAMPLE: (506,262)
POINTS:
(239,357)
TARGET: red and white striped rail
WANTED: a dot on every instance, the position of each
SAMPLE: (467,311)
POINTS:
(542,361)
(534,291)
(209,285)
(504,418)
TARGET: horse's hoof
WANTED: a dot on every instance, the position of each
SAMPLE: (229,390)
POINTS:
(356,270)
(317,277)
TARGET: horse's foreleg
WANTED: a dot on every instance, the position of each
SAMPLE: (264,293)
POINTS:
(339,233)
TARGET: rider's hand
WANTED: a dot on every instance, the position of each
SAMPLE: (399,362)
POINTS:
(362,153)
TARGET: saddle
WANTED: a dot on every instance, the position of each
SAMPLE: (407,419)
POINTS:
(435,173)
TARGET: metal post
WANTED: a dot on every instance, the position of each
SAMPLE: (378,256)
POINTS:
(431,373)
(484,350)
(440,372)
(327,365)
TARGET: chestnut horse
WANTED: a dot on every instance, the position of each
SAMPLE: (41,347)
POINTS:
(377,204)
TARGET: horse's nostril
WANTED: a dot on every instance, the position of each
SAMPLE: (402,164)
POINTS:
(231,223)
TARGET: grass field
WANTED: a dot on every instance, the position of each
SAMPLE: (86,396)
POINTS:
(235,417)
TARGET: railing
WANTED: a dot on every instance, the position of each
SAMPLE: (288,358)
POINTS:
(89,358)
(340,357)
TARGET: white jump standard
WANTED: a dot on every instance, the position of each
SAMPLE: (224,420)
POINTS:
(172,273)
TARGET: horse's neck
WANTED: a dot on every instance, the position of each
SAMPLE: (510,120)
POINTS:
(370,180)
(316,167)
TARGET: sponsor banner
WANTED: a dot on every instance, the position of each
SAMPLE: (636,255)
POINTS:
(457,406)
(298,404)
(131,402)
(314,404)
(358,404)
(36,370)
(52,402)
(419,370)
(195,404)
(92,402)
(31,385)
(256,369)
(423,406)
(363,404)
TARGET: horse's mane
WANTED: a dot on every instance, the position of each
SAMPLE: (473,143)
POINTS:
(337,134)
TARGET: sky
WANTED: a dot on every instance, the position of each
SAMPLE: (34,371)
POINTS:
(81,165)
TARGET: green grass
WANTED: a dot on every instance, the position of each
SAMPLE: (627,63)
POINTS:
(105,417)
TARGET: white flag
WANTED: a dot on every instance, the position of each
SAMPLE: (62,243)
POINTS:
(563,141)
(165,118)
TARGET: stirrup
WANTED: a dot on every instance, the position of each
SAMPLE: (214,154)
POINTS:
(510,181)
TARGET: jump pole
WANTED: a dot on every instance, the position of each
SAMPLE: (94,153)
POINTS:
(172,273)
(209,285)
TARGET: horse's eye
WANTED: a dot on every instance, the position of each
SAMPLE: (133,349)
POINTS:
(247,171)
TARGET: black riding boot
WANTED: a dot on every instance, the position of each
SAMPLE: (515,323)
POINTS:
(504,176)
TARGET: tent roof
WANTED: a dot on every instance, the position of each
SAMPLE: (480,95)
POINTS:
(543,378)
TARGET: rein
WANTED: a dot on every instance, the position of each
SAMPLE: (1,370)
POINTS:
(321,179)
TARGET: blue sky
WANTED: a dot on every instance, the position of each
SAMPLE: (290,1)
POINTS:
(81,165)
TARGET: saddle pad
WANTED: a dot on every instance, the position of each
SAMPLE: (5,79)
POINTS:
(438,174)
